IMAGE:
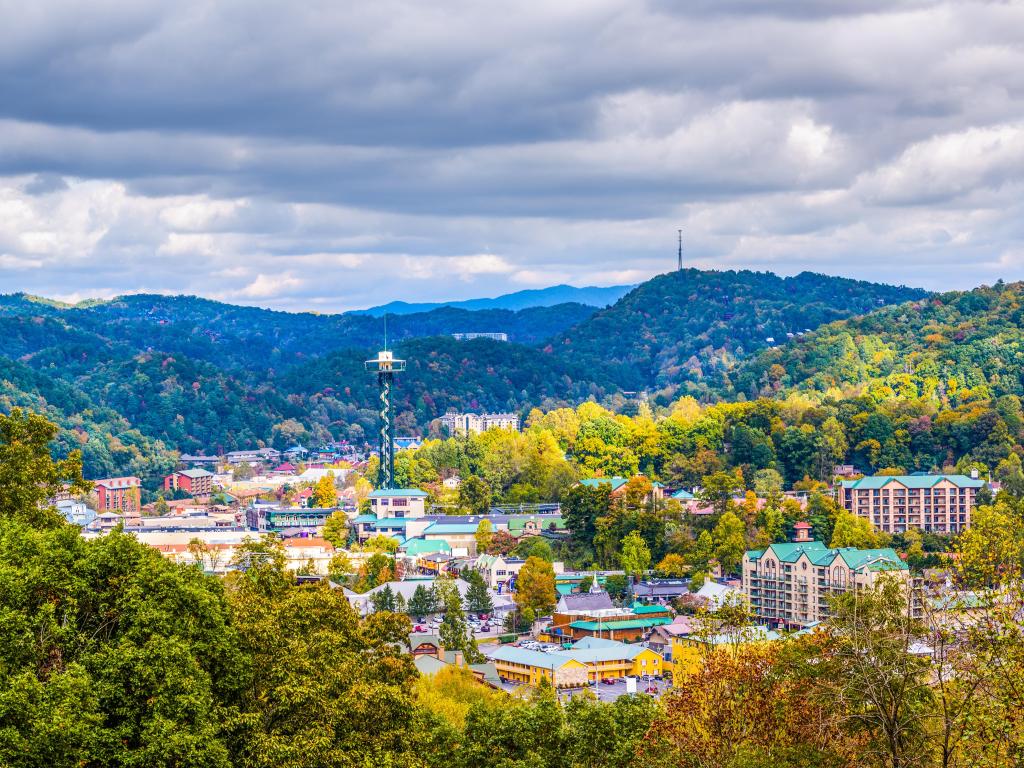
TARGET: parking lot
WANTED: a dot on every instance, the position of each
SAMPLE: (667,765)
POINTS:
(432,625)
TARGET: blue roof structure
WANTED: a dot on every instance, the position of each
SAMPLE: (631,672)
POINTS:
(388,493)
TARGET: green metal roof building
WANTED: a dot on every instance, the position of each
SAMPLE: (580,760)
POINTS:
(791,584)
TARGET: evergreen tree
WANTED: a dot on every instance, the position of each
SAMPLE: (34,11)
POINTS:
(384,600)
(478,596)
(421,603)
(455,633)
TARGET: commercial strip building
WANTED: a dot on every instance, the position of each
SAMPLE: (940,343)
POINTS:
(588,661)
(459,531)
(790,584)
(939,503)
(592,614)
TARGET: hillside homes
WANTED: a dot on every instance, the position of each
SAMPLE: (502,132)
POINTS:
(617,486)
(593,614)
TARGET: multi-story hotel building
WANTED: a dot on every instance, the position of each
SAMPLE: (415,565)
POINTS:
(940,503)
(118,494)
(198,482)
(790,584)
(475,423)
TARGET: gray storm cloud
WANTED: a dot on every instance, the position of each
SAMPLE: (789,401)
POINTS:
(330,155)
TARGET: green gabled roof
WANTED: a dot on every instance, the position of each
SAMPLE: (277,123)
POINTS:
(640,609)
(595,626)
(819,554)
(911,481)
(682,494)
(364,519)
(564,589)
(424,547)
(387,493)
(875,559)
(790,552)
(596,482)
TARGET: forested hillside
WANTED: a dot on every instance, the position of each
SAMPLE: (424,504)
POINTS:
(230,335)
(135,379)
(953,348)
(689,325)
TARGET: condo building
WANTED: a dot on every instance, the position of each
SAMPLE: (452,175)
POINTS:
(790,584)
(939,503)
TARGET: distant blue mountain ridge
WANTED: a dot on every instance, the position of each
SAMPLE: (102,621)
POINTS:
(592,296)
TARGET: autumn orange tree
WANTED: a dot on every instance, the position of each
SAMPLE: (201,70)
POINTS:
(741,709)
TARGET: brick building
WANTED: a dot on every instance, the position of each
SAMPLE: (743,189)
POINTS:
(119,494)
(198,482)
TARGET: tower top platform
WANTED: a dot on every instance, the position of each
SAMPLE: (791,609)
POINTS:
(385,361)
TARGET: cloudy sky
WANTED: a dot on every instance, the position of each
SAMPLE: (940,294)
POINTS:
(337,154)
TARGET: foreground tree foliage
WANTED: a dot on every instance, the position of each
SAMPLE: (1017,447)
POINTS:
(111,655)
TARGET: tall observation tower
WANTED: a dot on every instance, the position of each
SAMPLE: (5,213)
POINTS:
(386,366)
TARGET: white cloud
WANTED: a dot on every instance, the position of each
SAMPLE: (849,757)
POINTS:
(950,166)
(271,286)
(394,150)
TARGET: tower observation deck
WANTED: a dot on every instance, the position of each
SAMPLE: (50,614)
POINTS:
(386,365)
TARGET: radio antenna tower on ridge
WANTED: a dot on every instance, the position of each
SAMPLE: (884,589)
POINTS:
(680,266)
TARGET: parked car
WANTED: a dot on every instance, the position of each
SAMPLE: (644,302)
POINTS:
(419,628)
(652,689)
(485,628)
(609,681)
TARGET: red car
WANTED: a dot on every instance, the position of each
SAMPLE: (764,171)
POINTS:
(652,689)
(609,681)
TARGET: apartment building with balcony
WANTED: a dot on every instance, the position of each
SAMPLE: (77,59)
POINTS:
(939,503)
(790,584)
(119,494)
(475,423)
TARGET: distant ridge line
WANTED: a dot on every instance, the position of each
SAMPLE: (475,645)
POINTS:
(593,296)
